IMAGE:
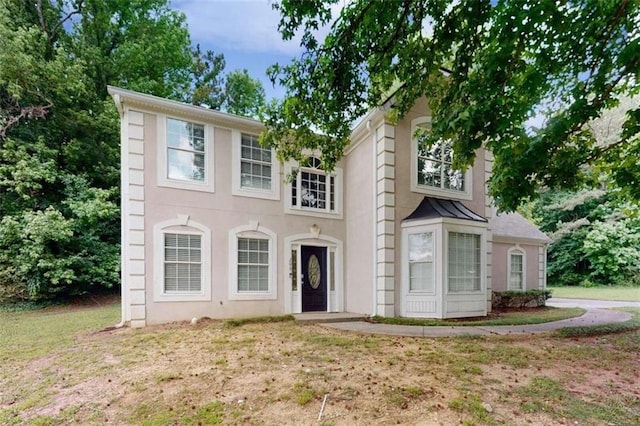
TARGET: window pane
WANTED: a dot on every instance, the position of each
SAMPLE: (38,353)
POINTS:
(421,276)
(185,165)
(421,247)
(516,277)
(182,263)
(255,167)
(253,265)
(464,262)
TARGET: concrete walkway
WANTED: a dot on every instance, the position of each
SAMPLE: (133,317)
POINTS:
(597,314)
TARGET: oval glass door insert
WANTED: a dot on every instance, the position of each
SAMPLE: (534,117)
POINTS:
(314,271)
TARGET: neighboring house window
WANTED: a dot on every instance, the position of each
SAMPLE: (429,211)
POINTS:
(464,262)
(432,165)
(252,264)
(313,189)
(185,157)
(182,261)
(421,272)
(516,269)
(256,171)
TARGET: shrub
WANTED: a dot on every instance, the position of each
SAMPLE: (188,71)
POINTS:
(519,299)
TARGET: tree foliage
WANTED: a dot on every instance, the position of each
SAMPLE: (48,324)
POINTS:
(486,67)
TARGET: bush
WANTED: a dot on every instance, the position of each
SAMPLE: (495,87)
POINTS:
(519,299)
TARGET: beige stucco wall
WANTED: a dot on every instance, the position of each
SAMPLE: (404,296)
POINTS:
(407,200)
(360,222)
(500,265)
(220,212)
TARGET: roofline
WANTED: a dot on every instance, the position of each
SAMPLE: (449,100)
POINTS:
(524,240)
(129,97)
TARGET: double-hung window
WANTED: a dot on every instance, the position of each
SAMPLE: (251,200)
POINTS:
(182,263)
(185,154)
(464,262)
(421,272)
(255,164)
(432,165)
(256,173)
(313,189)
(516,269)
(253,265)
(185,150)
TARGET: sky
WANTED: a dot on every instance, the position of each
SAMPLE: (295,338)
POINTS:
(245,31)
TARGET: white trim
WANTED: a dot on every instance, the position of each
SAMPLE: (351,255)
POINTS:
(294,305)
(467,194)
(407,296)
(177,226)
(253,230)
(517,250)
(209,169)
(236,188)
(289,208)
(155,103)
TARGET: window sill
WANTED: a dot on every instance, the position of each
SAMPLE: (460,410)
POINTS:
(314,213)
(182,297)
(186,185)
(252,296)
(442,193)
(256,193)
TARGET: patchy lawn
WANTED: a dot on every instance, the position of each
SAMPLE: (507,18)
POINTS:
(599,293)
(58,368)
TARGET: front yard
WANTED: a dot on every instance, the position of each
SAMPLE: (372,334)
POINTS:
(56,367)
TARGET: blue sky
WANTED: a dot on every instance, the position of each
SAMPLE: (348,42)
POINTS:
(245,31)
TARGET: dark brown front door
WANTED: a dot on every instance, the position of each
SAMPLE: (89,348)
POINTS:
(314,278)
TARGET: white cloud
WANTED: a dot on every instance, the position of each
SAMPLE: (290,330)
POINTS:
(249,26)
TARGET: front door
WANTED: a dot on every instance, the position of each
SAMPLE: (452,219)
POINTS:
(314,278)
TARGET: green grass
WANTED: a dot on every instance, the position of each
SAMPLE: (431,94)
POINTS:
(257,320)
(538,316)
(601,293)
(32,334)
(597,330)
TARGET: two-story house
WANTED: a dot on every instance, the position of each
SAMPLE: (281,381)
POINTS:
(211,227)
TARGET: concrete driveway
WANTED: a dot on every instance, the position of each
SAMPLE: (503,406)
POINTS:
(560,302)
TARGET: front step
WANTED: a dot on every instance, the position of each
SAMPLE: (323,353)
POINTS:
(325,317)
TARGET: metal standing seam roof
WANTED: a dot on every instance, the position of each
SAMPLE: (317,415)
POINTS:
(434,208)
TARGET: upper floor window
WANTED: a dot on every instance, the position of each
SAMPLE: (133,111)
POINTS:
(432,165)
(185,150)
(313,188)
(256,173)
(185,157)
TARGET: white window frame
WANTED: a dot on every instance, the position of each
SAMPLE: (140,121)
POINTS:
(433,261)
(237,188)
(253,230)
(467,194)
(181,225)
(207,185)
(518,251)
(337,173)
(461,229)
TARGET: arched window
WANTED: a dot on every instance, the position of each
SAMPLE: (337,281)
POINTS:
(182,260)
(315,190)
(252,263)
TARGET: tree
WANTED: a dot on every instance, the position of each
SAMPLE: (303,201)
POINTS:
(486,67)
(243,95)
(59,133)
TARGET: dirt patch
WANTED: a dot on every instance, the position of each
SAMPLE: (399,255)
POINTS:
(281,373)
